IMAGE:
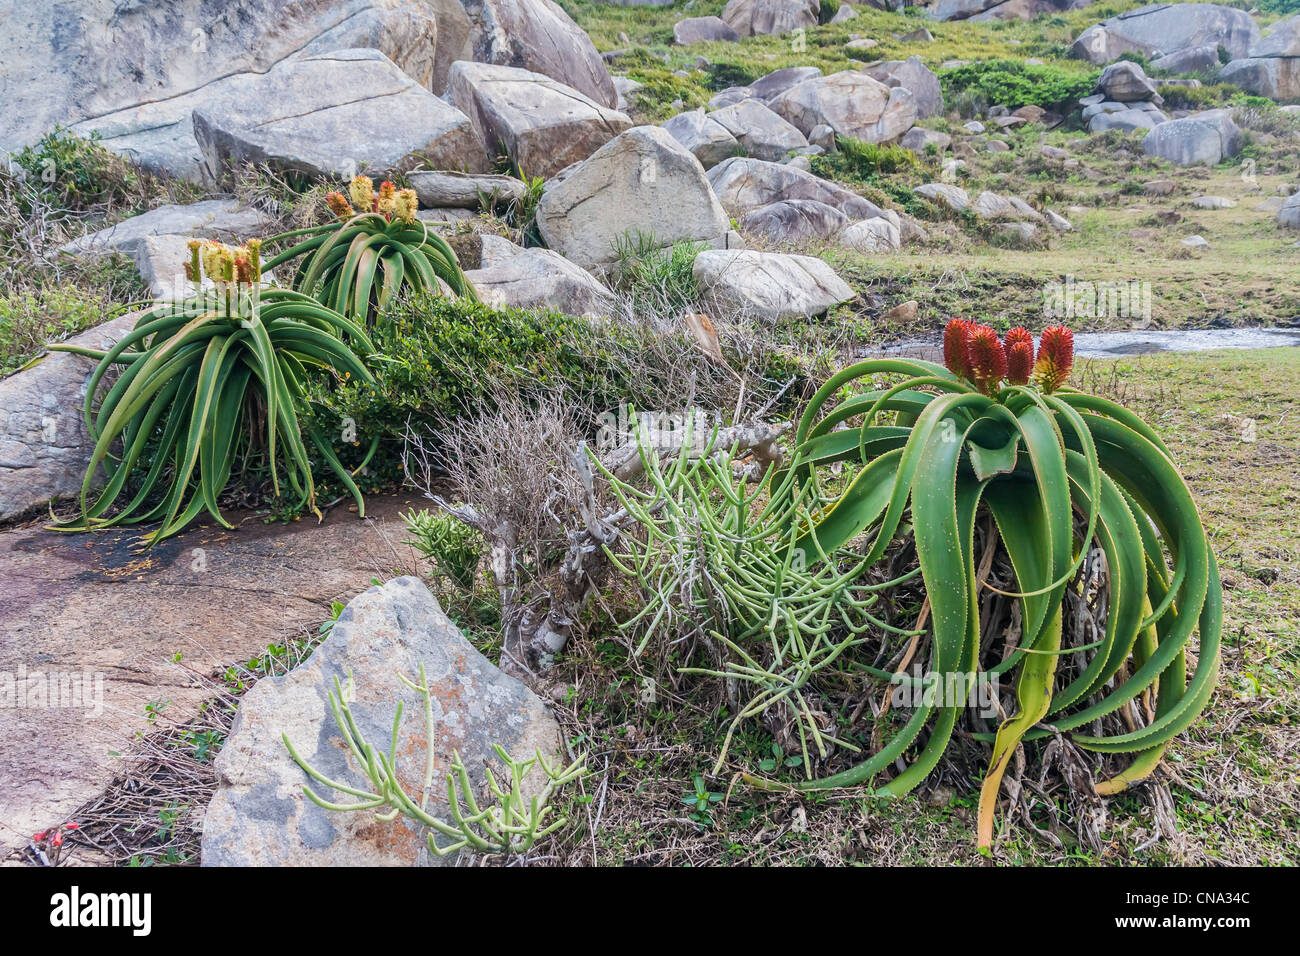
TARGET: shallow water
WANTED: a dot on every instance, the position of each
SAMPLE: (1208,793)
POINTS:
(1117,344)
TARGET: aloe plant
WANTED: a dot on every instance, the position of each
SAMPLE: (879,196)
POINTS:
(203,381)
(375,248)
(995,427)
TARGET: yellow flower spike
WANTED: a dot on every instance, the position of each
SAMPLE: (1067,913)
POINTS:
(362,192)
(407,203)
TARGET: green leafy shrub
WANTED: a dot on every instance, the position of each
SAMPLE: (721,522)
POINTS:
(453,547)
(1014,83)
(77,172)
(856,160)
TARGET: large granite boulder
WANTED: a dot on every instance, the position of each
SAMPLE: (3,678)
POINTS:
(758,17)
(762,133)
(772,85)
(852,104)
(1207,138)
(913,74)
(767,286)
(1163,28)
(1272,65)
(44,446)
(703,30)
(794,221)
(539,279)
(333,115)
(1126,82)
(881,234)
(538,35)
(539,123)
(80,65)
(706,138)
(744,185)
(1288,214)
(1000,9)
(643,181)
(260,815)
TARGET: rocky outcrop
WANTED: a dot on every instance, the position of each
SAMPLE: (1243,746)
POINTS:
(707,139)
(540,279)
(1000,9)
(643,180)
(260,815)
(1162,28)
(852,104)
(1126,99)
(794,221)
(539,123)
(1272,65)
(768,286)
(333,115)
(758,17)
(881,234)
(744,185)
(1202,138)
(759,131)
(769,87)
(911,73)
(538,35)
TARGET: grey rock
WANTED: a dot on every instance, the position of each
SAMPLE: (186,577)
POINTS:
(945,194)
(121,67)
(1188,60)
(1213,202)
(872,235)
(540,279)
(1208,137)
(625,86)
(794,221)
(852,104)
(762,133)
(1126,120)
(917,139)
(259,815)
(1272,65)
(732,94)
(973,126)
(915,76)
(1125,82)
(703,30)
(1288,217)
(537,35)
(772,85)
(444,188)
(768,286)
(823,136)
(44,446)
(996,146)
(1161,28)
(539,123)
(223,219)
(1195,242)
(709,140)
(758,17)
(1019,232)
(642,180)
(982,10)
(1058,222)
(744,184)
(844,14)
(334,114)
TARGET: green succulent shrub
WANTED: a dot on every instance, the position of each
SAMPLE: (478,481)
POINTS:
(204,382)
(375,249)
(452,546)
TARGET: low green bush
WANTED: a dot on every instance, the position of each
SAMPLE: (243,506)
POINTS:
(77,173)
(1014,83)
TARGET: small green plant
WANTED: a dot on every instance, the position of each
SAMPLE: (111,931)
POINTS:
(857,161)
(77,172)
(1014,83)
(375,249)
(660,278)
(522,214)
(702,800)
(452,546)
(512,823)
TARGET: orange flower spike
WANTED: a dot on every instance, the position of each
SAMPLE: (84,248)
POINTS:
(1020,355)
(1055,358)
(955,335)
(243,270)
(986,357)
(339,205)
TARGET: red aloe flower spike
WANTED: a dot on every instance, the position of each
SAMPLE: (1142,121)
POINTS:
(986,357)
(1020,355)
(1055,358)
(955,335)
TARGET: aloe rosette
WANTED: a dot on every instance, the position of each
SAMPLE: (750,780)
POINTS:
(203,381)
(375,248)
(996,427)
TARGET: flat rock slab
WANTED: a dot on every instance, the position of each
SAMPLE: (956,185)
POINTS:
(222,219)
(335,114)
(93,604)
